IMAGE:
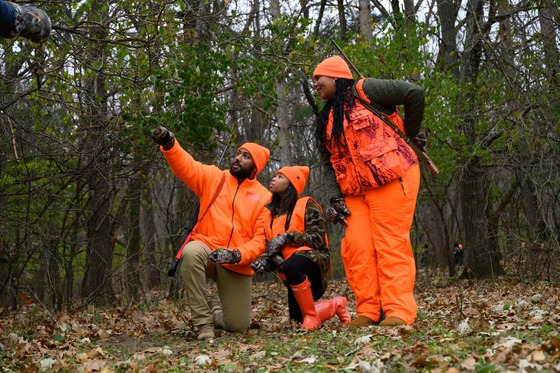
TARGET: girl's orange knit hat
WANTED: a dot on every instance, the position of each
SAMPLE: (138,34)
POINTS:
(297,175)
(333,67)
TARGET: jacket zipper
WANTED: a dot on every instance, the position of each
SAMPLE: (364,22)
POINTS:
(233,214)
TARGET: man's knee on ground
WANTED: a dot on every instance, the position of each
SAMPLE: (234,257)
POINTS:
(236,325)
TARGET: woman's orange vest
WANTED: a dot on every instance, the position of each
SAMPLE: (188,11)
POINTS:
(373,154)
(277,226)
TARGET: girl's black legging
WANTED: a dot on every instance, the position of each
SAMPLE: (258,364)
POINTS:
(296,268)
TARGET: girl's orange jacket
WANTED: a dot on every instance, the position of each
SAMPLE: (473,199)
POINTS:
(236,219)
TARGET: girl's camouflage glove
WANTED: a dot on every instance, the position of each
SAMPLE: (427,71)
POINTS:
(275,245)
(225,256)
(261,264)
(267,263)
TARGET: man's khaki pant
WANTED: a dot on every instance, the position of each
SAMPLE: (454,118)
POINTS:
(234,290)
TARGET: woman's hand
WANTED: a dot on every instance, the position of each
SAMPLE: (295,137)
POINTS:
(275,245)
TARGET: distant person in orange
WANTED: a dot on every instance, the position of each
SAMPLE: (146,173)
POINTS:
(372,176)
(297,247)
(458,254)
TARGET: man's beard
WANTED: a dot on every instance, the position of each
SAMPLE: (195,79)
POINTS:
(240,173)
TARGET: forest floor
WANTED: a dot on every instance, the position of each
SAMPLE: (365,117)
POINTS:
(462,326)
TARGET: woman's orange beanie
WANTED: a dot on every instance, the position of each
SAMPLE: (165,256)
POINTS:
(333,67)
(260,154)
(297,176)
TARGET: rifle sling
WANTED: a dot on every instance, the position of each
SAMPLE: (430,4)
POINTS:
(212,200)
(384,118)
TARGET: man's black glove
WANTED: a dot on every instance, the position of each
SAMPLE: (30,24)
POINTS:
(225,256)
(261,264)
(164,137)
(338,211)
(275,246)
(420,141)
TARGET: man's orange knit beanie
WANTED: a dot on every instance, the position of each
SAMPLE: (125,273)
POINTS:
(260,154)
(333,67)
(297,176)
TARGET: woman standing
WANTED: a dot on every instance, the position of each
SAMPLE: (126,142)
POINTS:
(297,246)
(373,177)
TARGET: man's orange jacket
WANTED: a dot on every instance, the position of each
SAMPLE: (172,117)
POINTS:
(236,219)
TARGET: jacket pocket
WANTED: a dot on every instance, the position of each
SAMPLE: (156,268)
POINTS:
(369,139)
(386,167)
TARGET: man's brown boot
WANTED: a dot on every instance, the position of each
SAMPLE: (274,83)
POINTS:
(206,332)
(392,321)
(361,321)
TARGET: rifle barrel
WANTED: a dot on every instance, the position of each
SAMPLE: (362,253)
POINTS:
(343,55)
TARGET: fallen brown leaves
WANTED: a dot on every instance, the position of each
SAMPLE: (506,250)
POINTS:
(481,326)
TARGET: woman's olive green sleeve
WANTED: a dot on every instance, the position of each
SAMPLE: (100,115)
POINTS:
(332,189)
(385,95)
(315,232)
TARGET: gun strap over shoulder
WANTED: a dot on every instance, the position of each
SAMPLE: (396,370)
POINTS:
(179,255)
(384,118)
(421,155)
(213,198)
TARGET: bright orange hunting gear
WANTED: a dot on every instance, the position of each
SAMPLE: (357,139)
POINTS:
(373,154)
(379,176)
(333,67)
(376,250)
(306,233)
(236,219)
(259,153)
(297,224)
(297,175)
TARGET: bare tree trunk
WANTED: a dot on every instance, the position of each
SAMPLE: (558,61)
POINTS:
(71,246)
(409,13)
(184,200)
(71,255)
(6,275)
(433,217)
(481,257)
(481,253)
(10,251)
(448,56)
(153,263)
(549,18)
(342,24)
(473,45)
(534,213)
(316,29)
(283,151)
(97,286)
(5,265)
(365,21)
(132,275)
(48,284)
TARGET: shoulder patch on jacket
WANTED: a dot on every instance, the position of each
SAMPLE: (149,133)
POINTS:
(253,196)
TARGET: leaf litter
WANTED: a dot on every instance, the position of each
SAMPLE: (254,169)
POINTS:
(462,326)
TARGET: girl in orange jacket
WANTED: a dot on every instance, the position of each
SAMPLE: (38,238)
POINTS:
(372,177)
(297,246)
